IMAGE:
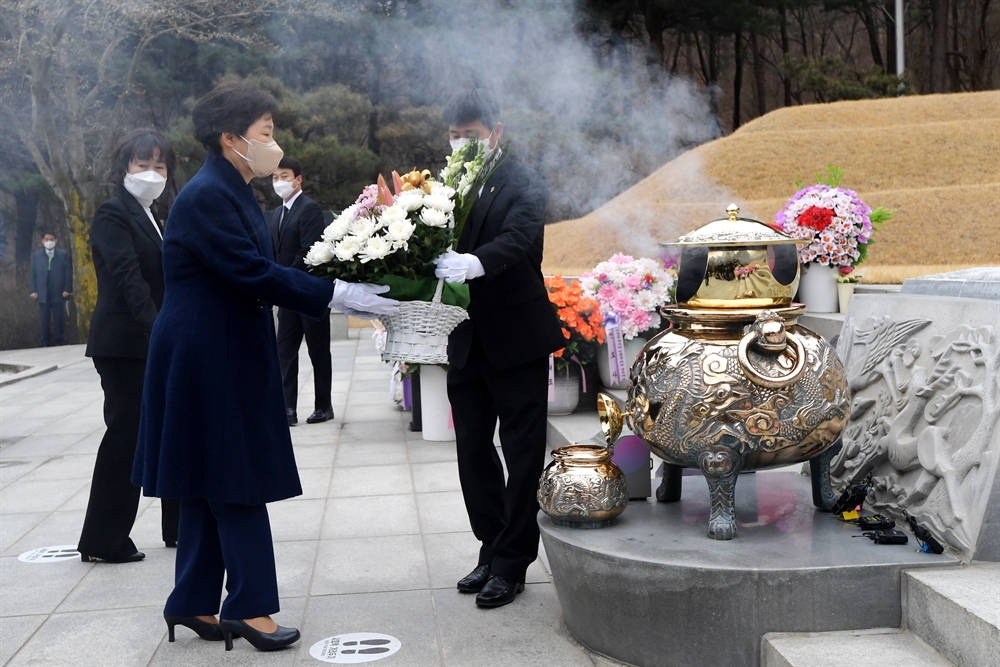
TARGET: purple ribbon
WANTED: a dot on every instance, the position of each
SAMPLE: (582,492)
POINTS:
(616,347)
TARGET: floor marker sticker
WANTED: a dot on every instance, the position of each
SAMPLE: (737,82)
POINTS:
(354,648)
(50,554)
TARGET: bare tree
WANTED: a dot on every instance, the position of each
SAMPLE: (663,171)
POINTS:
(69,70)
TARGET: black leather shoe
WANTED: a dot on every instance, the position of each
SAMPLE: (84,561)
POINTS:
(320,416)
(293,418)
(498,591)
(208,631)
(170,544)
(475,580)
(262,641)
(131,558)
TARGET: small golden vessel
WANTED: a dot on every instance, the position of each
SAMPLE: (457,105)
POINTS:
(582,487)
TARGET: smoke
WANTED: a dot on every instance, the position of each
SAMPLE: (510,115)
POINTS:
(580,106)
(577,100)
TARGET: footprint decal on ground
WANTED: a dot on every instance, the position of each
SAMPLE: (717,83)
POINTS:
(355,648)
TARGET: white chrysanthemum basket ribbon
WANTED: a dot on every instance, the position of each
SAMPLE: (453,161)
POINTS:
(418,334)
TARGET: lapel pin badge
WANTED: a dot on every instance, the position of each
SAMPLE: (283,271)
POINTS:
(493,188)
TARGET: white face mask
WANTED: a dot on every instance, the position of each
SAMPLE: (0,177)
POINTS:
(145,186)
(283,189)
(49,245)
(485,143)
(263,158)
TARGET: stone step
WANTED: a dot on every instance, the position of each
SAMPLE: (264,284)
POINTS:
(956,610)
(884,647)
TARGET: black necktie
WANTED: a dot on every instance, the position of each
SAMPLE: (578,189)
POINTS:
(281,218)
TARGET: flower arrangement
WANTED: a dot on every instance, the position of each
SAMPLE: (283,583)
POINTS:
(581,319)
(392,237)
(631,289)
(838,224)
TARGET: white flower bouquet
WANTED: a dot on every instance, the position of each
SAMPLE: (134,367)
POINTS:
(392,238)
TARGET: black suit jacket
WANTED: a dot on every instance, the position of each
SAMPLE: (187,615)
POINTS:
(129,270)
(303,226)
(62,274)
(510,311)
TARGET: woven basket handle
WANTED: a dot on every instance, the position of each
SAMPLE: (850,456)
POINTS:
(437,292)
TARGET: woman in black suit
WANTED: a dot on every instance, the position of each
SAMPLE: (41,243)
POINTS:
(125,238)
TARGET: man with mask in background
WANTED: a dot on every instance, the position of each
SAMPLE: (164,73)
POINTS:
(499,357)
(51,284)
(294,227)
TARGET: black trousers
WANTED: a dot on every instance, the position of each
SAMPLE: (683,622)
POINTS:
(223,540)
(113,498)
(53,311)
(291,327)
(503,516)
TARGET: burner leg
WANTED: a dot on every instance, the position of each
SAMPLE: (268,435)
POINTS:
(721,467)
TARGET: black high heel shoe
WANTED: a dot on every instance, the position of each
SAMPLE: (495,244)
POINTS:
(131,558)
(262,641)
(208,631)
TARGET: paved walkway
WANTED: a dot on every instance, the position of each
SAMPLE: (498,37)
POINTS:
(375,543)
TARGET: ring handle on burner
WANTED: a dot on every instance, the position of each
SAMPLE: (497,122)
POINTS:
(767,381)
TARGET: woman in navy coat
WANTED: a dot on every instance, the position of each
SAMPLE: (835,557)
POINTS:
(213,430)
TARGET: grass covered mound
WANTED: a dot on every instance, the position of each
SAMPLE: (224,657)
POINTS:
(934,160)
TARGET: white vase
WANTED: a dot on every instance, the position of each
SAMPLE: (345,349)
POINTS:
(435,410)
(565,391)
(632,349)
(818,289)
(844,293)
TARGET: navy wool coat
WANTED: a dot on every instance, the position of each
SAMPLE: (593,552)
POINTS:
(213,412)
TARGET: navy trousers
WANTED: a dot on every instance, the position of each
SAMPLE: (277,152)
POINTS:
(223,540)
(54,311)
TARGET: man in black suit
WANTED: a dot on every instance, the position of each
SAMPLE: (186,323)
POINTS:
(499,357)
(294,227)
(51,284)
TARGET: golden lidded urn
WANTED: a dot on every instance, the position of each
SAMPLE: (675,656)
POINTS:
(582,487)
(736,384)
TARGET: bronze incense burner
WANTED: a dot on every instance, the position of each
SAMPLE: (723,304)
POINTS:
(736,384)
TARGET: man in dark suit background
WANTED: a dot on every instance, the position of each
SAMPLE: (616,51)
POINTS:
(294,227)
(499,357)
(51,284)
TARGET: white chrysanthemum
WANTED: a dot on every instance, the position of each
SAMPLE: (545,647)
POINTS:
(400,231)
(337,229)
(348,247)
(432,217)
(439,202)
(320,253)
(443,190)
(394,213)
(410,200)
(377,247)
(364,227)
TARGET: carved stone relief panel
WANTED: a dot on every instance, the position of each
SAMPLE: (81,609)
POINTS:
(925,376)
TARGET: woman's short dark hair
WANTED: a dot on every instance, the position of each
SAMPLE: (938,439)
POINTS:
(139,145)
(468,106)
(230,107)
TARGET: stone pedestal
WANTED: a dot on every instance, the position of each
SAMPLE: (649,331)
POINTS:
(654,590)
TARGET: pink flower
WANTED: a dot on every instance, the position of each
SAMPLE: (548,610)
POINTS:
(633,282)
(641,320)
(623,305)
(846,270)
(607,293)
(619,258)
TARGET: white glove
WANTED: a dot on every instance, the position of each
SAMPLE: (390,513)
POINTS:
(362,300)
(458,268)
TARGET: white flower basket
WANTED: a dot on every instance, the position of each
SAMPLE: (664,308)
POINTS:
(419,333)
